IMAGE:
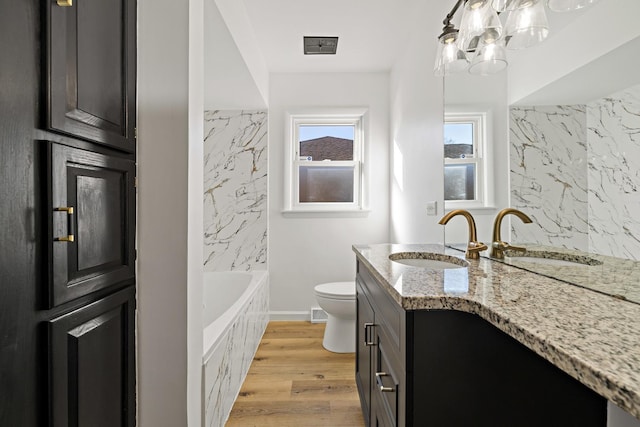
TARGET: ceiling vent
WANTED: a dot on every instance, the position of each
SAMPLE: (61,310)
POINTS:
(320,45)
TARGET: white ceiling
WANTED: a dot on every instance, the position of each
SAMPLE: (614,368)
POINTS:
(372,33)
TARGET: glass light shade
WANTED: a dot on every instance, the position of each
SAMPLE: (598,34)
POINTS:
(506,5)
(449,58)
(526,26)
(568,5)
(479,22)
(489,59)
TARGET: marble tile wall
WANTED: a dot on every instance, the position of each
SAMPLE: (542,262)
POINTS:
(613,137)
(235,197)
(226,368)
(548,164)
(576,171)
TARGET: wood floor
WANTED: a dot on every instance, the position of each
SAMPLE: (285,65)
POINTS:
(294,381)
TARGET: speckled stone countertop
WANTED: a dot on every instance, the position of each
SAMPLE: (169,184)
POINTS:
(593,337)
(613,276)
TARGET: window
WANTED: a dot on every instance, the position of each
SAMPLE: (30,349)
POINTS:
(325,162)
(464,160)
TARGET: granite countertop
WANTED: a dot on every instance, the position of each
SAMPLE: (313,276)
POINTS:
(613,276)
(593,337)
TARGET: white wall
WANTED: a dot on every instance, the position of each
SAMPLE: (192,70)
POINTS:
(170,243)
(468,93)
(600,29)
(195,213)
(229,84)
(308,249)
(237,21)
(417,150)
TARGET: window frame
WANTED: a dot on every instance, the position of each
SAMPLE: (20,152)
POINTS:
(480,142)
(324,117)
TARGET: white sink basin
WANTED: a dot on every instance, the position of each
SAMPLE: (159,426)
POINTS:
(552,259)
(543,261)
(428,260)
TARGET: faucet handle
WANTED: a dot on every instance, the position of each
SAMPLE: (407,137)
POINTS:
(504,246)
(516,248)
(474,249)
(499,247)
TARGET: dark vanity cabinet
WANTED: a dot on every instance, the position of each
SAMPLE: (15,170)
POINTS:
(450,368)
(380,373)
(67,224)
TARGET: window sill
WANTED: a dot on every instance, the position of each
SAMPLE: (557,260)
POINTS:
(325,213)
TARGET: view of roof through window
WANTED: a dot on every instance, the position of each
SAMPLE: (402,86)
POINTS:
(322,142)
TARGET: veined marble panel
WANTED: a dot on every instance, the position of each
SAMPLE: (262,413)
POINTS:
(548,164)
(614,174)
(235,197)
(227,367)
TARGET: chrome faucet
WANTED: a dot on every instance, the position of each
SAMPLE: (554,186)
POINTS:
(498,246)
(473,247)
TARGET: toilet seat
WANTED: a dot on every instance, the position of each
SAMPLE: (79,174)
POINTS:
(337,290)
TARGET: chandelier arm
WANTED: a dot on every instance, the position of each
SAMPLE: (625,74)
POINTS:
(447,20)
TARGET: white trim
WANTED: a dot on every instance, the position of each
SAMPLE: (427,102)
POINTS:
(481,127)
(289,315)
(356,117)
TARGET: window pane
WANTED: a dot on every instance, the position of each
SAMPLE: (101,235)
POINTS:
(324,142)
(460,182)
(458,140)
(326,184)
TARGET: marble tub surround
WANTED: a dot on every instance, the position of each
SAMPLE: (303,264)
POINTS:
(574,170)
(548,162)
(228,363)
(613,139)
(593,337)
(235,197)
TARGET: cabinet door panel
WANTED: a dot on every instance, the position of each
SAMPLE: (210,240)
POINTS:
(386,386)
(101,252)
(92,364)
(92,71)
(365,335)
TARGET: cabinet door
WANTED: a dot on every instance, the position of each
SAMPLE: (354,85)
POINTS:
(365,336)
(92,360)
(91,70)
(91,222)
(386,386)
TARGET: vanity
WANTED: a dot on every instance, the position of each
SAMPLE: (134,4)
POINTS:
(485,343)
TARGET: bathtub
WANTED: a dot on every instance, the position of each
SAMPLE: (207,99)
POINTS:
(235,315)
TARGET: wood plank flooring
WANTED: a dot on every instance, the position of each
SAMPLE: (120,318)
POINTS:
(294,381)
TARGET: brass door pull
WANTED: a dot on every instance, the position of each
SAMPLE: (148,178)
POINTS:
(64,3)
(70,224)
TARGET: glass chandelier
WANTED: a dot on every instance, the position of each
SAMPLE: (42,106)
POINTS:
(480,44)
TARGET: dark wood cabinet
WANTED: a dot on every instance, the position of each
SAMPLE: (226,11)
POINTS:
(365,341)
(451,368)
(91,218)
(67,140)
(91,71)
(380,375)
(92,354)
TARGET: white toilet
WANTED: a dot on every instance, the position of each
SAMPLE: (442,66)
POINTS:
(338,299)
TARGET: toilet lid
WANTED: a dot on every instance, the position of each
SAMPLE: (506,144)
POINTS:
(337,290)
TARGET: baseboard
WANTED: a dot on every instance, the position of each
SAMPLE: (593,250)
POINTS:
(289,315)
